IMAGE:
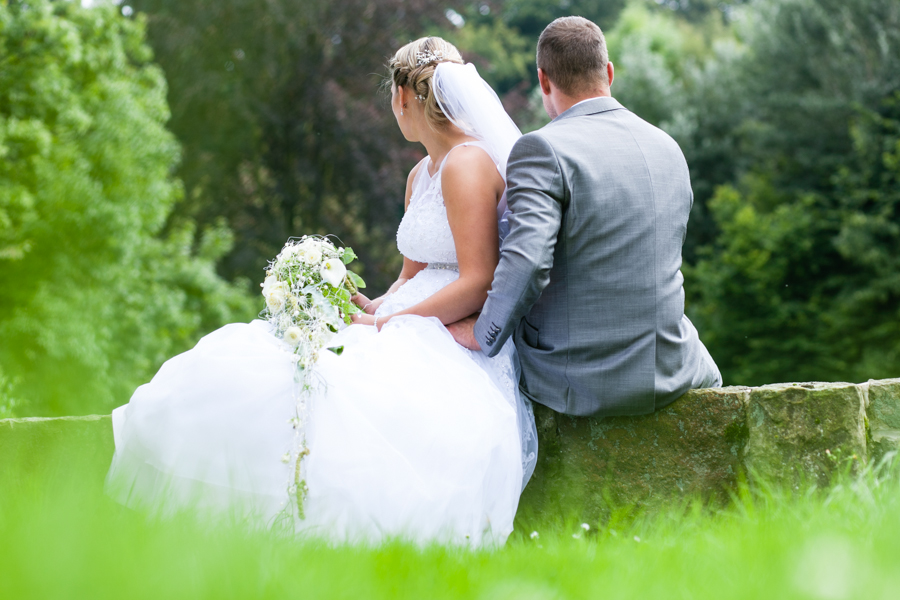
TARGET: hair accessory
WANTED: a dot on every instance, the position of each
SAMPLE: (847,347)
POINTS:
(423,58)
(420,98)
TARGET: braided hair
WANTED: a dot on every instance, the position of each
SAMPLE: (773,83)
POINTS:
(413,66)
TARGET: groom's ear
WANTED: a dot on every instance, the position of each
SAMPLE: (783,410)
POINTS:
(610,71)
(544,81)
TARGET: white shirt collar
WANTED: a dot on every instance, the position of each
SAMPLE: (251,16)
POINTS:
(588,100)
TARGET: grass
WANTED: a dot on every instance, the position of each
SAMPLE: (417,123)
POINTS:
(61,538)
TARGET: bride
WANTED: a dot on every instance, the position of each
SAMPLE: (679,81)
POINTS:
(409,434)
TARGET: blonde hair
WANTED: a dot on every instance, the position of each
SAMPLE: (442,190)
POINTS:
(413,66)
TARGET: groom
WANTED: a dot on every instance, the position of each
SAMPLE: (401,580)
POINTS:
(589,282)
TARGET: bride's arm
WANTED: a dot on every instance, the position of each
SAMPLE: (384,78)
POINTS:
(471,188)
(410,267)
(409,270)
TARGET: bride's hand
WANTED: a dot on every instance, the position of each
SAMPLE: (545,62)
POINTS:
(369,320)
(370,306)
(463,331)
(360,300)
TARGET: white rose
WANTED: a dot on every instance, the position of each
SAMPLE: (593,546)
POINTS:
(309,254)
(295,247)
(308,243)
(267,285)
(333,271)
(275,299)
(286,253)
(293,336)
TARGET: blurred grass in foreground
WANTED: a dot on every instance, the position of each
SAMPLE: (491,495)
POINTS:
(61,538)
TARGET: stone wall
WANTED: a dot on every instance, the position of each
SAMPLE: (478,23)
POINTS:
(883,417)
(84,444)
(588,466)
(788,433)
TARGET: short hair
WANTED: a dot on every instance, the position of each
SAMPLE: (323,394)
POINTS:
(572,52)
(405,68)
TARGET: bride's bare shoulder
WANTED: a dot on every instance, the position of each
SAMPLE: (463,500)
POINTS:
(471,166)
(468,156)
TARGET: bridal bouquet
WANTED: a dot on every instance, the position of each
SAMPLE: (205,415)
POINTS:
(308,290)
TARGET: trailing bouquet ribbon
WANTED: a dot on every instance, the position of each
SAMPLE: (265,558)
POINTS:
(308,291)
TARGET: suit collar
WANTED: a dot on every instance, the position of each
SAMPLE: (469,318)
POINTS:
(591,107)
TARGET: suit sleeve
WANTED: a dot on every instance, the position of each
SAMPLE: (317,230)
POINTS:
(535,194)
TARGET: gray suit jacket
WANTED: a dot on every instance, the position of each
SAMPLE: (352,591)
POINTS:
(589,280)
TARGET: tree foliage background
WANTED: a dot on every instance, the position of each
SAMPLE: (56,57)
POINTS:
(94,297)
(792,136)
(284,127)
(156,155)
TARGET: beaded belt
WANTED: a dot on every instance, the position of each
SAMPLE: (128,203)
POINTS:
(444,266)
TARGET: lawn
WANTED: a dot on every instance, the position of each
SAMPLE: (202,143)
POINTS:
(61,538)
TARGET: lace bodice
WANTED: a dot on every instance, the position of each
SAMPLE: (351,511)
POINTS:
(424,234)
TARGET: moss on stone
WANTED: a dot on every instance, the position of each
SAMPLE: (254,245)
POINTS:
(884,417)
(798,431)
(590,467)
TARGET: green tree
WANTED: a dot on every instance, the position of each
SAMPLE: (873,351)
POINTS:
(504,57)
(531,16)
(700,10)
(656,55)
(92,298)
(284,122)
(500,38)
(801,281)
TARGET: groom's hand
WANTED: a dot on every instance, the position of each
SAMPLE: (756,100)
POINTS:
(464,333)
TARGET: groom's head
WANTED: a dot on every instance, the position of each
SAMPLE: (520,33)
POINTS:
(573,63)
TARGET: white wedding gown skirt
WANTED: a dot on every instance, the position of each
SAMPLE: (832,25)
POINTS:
(410,435)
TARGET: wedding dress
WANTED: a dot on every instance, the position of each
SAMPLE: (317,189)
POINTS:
(410,435)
